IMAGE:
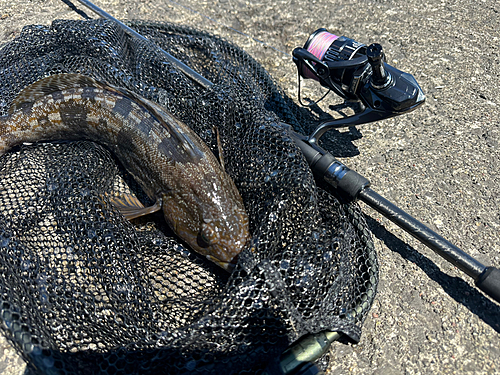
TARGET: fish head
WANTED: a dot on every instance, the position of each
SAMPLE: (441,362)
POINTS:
(222,238)
(213,223)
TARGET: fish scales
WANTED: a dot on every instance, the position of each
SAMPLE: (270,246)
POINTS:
(171,163)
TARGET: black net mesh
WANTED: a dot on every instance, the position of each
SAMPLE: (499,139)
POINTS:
(84,290)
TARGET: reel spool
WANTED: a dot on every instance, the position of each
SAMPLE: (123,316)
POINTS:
(335,51)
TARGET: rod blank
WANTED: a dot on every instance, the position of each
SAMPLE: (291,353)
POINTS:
(424,234)
(486,279)
(351,186)
(198,78)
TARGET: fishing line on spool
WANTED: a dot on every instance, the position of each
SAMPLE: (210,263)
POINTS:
(317,44)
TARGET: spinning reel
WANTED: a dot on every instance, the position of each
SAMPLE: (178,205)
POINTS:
(356,72)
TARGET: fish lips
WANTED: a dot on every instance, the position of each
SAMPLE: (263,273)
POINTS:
(228,266)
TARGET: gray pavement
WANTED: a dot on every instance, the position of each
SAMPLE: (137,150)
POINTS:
(439,163)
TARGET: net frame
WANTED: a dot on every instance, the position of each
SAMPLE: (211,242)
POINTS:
(313,267)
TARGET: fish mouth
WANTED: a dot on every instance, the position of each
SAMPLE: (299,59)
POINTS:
(228,266)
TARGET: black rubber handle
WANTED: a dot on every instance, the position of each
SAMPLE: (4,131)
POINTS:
(489,282)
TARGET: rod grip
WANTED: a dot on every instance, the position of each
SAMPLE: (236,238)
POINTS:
(489,282)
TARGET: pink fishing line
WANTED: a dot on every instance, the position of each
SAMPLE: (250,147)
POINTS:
(318,47)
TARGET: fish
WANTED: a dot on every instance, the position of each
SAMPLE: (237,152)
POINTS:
(174,167)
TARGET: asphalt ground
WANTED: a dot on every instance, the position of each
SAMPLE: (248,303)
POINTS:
(439,163)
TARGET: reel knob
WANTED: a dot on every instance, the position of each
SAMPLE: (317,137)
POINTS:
(375,54)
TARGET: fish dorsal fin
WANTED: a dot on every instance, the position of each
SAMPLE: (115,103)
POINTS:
(66,81)
(49,85)
(219,147)
(174,125)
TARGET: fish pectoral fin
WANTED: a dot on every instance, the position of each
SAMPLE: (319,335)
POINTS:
(130,207)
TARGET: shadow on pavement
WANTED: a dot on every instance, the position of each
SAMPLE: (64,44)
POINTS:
(456,287)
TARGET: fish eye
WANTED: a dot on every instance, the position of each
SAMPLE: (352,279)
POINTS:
(207,235)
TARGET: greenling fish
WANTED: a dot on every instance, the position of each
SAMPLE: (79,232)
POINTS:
(171,163)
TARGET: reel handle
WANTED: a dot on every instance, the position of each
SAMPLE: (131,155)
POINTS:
(376,58)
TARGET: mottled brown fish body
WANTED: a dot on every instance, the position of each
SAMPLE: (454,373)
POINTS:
(199,200)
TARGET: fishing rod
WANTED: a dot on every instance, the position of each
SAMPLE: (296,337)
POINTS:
(360,73)
(193,75)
